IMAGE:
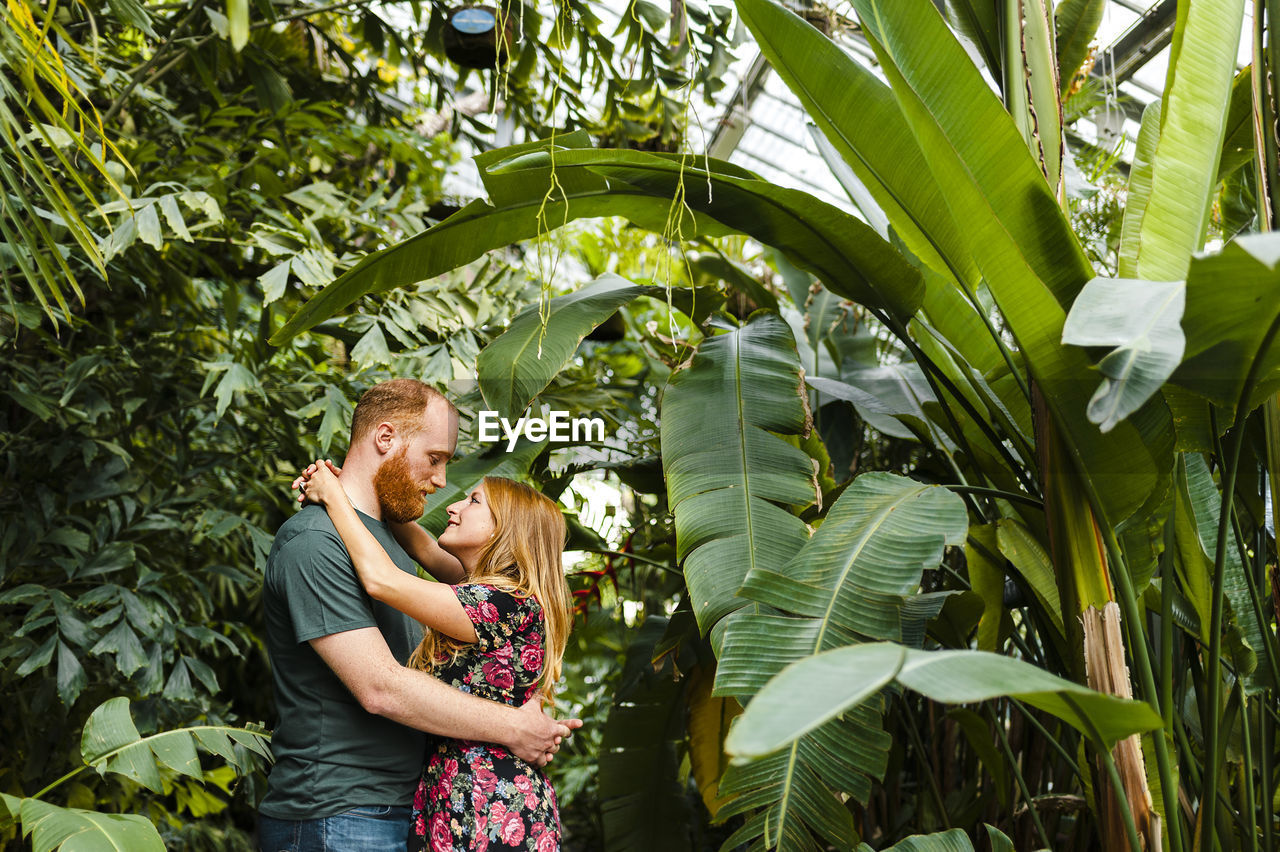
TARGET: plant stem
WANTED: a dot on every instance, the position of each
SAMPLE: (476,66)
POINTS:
(1248,810)
(1214,670)
(1173,819)
(1067,758)
(1113,774)
(924,360)
(908,721)
(1017,776)
(997,493)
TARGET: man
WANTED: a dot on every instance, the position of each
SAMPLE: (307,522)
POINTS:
(348,747)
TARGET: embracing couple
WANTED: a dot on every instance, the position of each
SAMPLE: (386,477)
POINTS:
(366,655)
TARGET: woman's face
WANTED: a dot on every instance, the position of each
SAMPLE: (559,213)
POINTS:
(471,525)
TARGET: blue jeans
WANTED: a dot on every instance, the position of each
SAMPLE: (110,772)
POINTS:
(372,828)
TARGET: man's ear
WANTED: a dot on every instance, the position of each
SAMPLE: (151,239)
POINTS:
(384,435)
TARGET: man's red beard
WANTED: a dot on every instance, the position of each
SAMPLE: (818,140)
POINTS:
(399,496)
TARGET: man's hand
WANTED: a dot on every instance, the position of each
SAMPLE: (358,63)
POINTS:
(537,736)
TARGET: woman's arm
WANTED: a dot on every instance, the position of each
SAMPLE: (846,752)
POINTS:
(433,604)
(416,541)
(421,545)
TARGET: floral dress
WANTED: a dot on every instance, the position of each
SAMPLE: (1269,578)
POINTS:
(475,795)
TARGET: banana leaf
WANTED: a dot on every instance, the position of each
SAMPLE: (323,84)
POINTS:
(1075,23)
(851,579)
(517,365)
(1018,235)
(52,827)
(818,688)
(1193,121)
(726,473)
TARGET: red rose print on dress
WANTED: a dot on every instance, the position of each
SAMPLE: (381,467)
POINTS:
(531,658)
(488,612)
(487,781)
(548,842)
(499,675)
(441,838)
(512,831)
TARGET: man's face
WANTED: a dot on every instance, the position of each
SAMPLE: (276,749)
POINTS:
(415,468)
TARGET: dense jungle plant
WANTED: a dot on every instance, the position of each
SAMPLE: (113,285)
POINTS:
(1107,528)
(173,178)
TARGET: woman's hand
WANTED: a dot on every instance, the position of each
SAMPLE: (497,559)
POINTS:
(318,482)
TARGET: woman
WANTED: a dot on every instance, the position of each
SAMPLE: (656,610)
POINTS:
(499,635)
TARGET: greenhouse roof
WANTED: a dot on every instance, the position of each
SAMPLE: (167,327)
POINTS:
(761,124)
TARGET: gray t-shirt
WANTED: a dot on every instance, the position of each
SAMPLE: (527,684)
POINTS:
(330,755)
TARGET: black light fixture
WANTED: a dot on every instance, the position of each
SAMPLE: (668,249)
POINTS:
(471,37)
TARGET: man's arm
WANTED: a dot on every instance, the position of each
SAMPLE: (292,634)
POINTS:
(363,662)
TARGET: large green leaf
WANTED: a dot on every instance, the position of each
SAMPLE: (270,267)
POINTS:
(811,692)
(726,473)
(1193,120)
(856,112)
(1018,235)
(850,258)
(1075,24)
(111,743)
(52,827)
(520,362)
(1140,319)
(954,840)
(850,580)
(1139,191)
(867,555)
(842,250)
(821,687)
(1231,322)
(1038,73)
(1198,526)
(523,207)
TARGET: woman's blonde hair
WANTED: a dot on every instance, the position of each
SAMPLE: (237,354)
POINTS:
(522,558)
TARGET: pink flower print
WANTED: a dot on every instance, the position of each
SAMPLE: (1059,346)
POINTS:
(497,812)
(441,839)
(478,801)
(522,782)
(482,822)
(499,675)
(503,652)
(488,612)
(420,826)
(472,613)
(487,781)
(512,831)
(481,843)
(420,795)
(531,658)
(548,842)
(450,768)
